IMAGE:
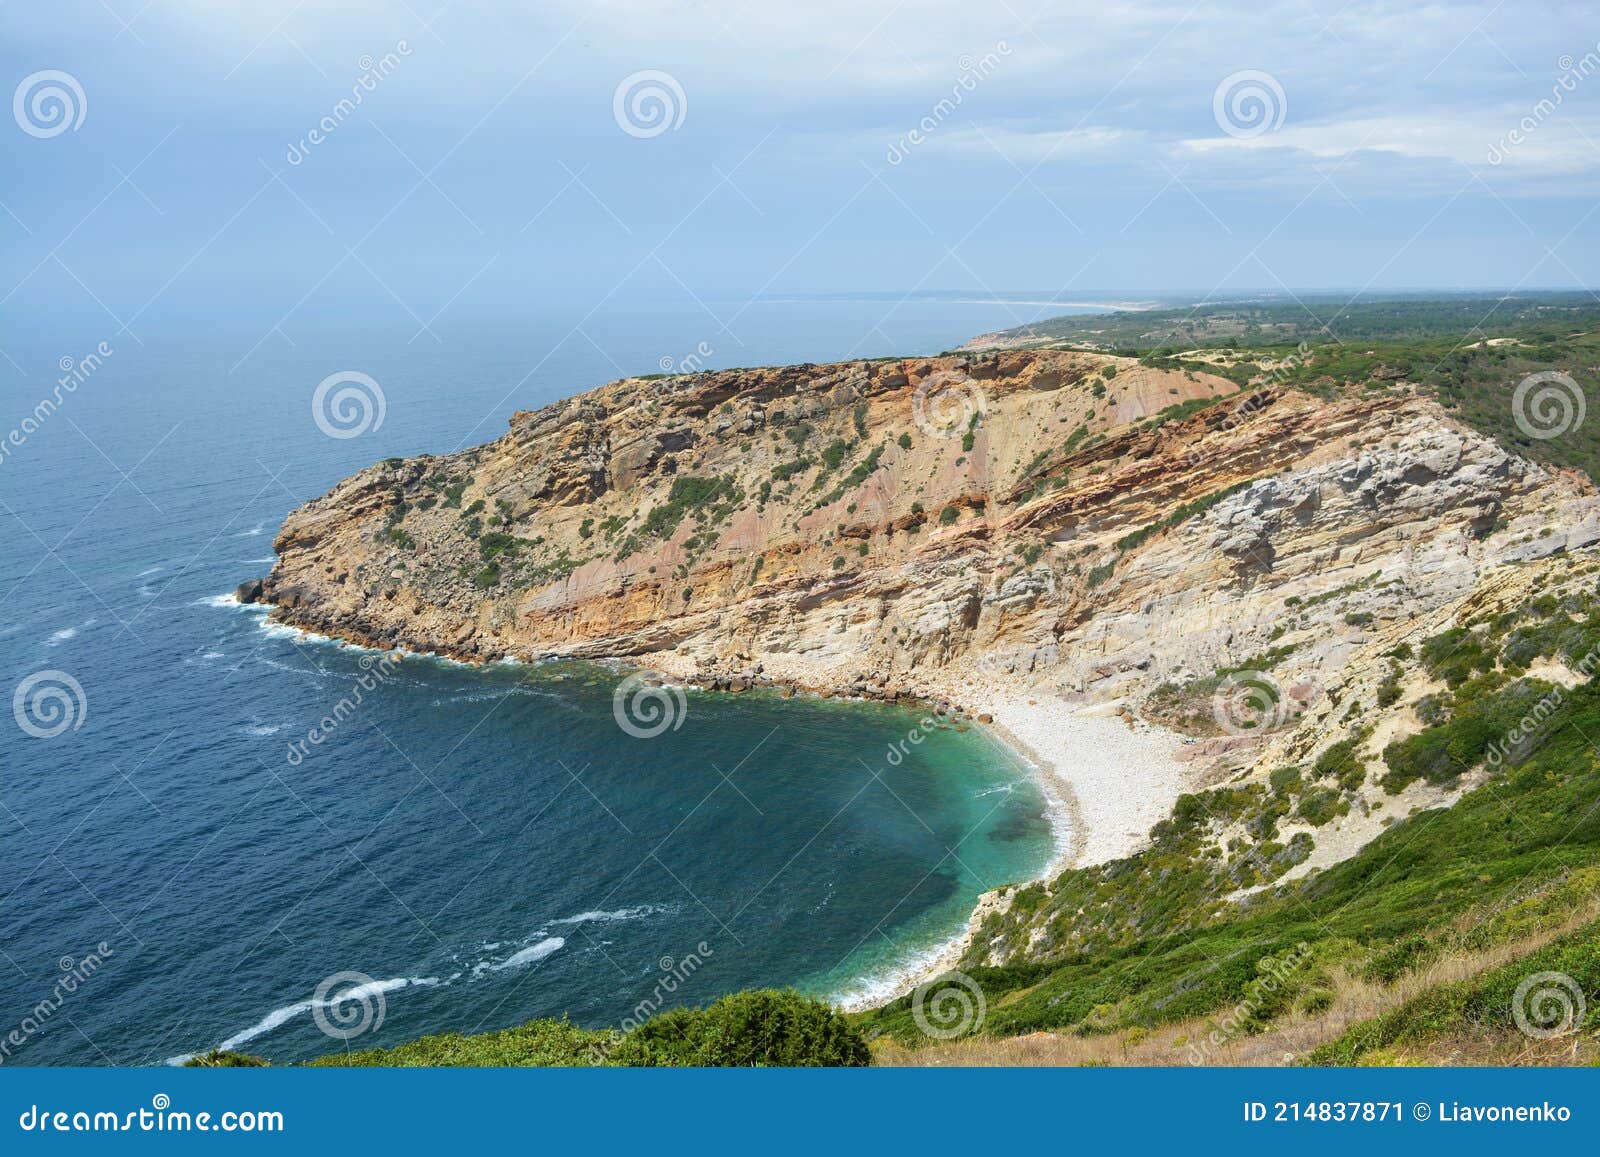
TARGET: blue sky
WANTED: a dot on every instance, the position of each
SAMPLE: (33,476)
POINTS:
(1079,149)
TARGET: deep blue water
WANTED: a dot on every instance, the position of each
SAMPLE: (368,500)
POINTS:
(486,844)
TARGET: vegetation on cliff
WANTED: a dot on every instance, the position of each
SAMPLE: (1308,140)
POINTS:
(1328,503)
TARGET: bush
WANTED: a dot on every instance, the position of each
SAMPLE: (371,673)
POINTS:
(1441,754)
(225,1059)
(762,1028)
(543,1043)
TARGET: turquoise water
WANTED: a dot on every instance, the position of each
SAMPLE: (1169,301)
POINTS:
(478,846)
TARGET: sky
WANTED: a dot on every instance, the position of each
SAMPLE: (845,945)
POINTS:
(498,163)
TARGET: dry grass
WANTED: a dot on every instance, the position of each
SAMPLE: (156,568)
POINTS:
(1292,1036)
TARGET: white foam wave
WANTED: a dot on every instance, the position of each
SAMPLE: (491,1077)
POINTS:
(900,977)
(281,1016)
(264,729)
(638,912)
(520,959)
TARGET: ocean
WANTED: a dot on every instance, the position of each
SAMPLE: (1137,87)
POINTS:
(216,831)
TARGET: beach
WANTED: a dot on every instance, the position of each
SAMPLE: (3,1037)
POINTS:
(1107,783)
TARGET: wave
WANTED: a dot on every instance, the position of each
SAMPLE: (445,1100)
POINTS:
(896,979)
(532,954)
(253,532)
(148,571)
(637,912)
(281,1016)
(263,729)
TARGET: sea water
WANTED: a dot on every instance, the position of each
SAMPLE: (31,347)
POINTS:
(216,831)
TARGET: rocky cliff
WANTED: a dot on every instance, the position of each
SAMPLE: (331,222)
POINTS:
(1066,519)
(1021,523)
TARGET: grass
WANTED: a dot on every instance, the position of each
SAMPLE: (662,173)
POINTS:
(764,1027)
(1148,941)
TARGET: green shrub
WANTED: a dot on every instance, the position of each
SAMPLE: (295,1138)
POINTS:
(759,1028)
(224,1059)
(1441,754)
(543,1043)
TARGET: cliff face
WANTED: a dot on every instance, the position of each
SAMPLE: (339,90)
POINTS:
(926,526)
(987,530)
